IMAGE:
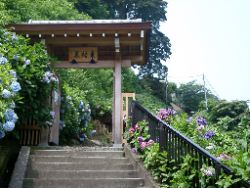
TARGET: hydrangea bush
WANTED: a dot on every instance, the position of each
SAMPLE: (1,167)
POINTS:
(75,115)
(233,153)
(9,88)
(24,71)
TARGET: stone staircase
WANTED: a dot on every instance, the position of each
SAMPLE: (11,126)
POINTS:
(81,168)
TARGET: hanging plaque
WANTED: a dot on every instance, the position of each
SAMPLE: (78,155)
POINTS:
(83,54)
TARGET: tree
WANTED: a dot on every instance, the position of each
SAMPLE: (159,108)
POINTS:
(24,10)
(190,95)
(229,115)
(93,8)
(148,10)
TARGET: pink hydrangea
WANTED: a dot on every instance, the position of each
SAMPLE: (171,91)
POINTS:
(136,126)
(143,145)
(131,130)
(150,142)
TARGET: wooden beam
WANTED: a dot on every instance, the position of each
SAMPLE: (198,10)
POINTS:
(99,64)
(79,28)
(99,41)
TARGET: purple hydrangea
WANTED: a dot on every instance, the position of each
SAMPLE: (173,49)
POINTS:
(15,86)
(201,121)
(134,150)
(140,139)
(6,94)
(209,134)
(224,156)
(9,126)
(150,142)
(165,113)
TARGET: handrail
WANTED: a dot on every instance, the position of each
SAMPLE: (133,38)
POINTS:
(174,141)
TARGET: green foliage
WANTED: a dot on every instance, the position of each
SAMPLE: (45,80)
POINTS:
(157,162)
(93,8)
(150,102)
(4,15)
(226,181)
(24,10)
(96,86)
(184,176)
(74,108)
(228,115)
(130,83)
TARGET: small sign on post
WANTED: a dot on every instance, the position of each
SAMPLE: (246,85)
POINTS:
(83,55)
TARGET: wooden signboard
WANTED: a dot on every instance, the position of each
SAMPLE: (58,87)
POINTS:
(83,54)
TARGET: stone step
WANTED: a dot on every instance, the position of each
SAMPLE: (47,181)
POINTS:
(90,160)
(82,153)
(83,183)
(78,166)
(76,148)
(82,173)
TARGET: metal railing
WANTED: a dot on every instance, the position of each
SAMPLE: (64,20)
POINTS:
(177,145)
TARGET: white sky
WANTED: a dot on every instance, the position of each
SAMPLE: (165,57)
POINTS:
(210,37)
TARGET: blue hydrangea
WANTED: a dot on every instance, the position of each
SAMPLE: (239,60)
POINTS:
(27,62)
(9,126)
(6,94)
(2,134)
(15,86)
(16,57)
(13,73)
(12,105)
(14,37)
(3,60)
(81,105)
(10,115)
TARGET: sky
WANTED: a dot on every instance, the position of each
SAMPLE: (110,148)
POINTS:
(210,37)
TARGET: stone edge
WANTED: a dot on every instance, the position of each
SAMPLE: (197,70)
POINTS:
(20,168)
(137,163)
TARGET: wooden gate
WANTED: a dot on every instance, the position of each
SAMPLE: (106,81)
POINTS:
(30,133)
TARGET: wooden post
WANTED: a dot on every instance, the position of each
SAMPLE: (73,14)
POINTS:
(117,105)
(44,136)
(113,108)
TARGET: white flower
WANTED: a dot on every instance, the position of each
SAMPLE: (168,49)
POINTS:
(52,113)
(208,171)
(210,147)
